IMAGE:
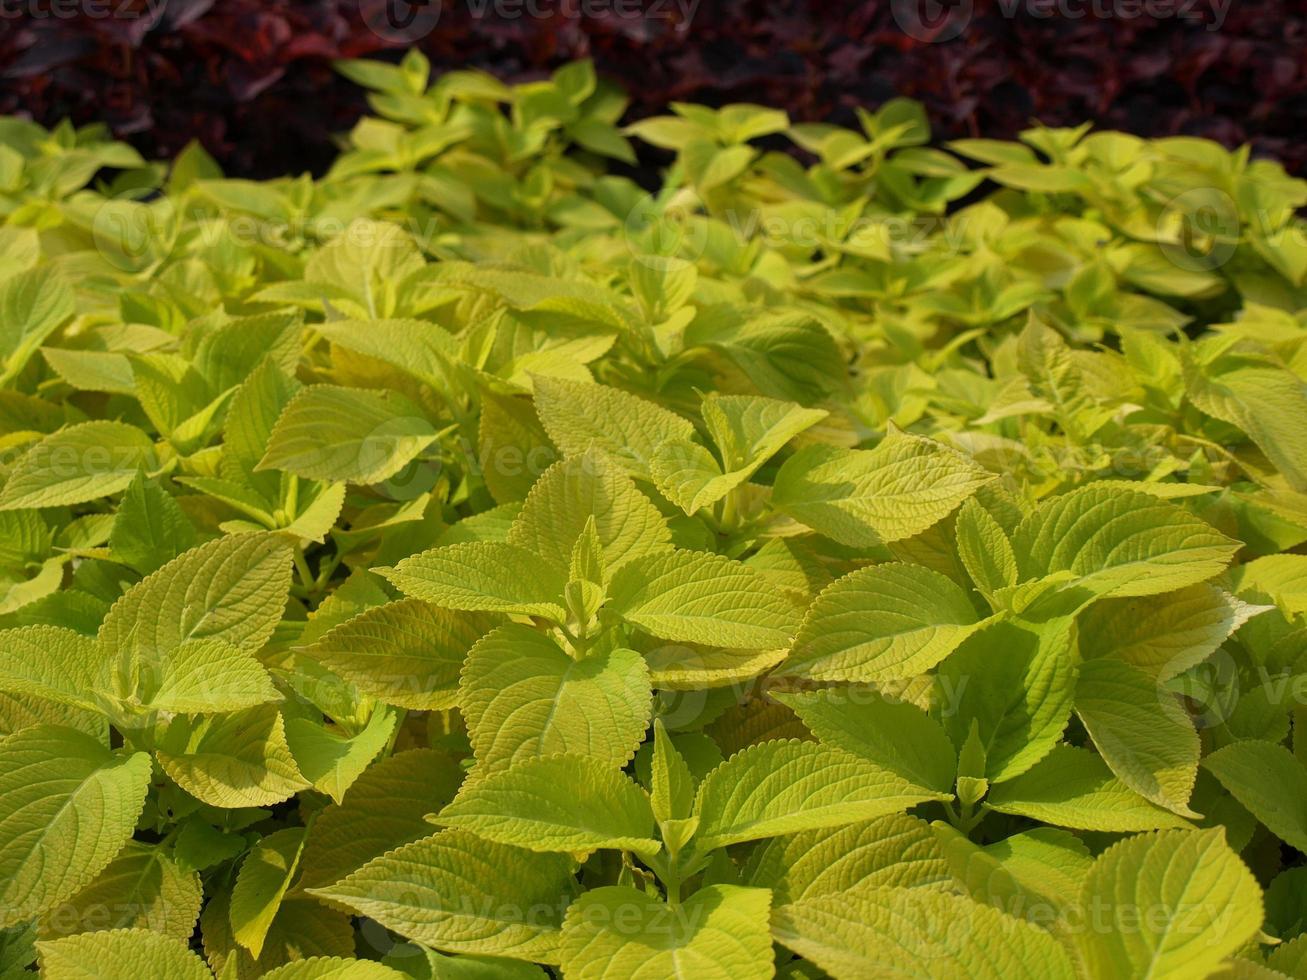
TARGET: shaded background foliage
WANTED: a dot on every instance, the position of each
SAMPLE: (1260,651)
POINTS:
(252,79)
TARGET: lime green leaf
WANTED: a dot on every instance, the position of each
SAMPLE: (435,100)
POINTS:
(1269,781)
(33,304)
(232,760)
(718,933)
(120,954)
(347,435)
(1201,903)
(783,787)
(984,548)
(1072,787)
(67,807)
(1261,398)
(555,803)
(1140,730)
(1120,543)
(77,464)
(902,931)
(572,492)
(1283,578)
(867,497)
(701,598)
(457,892)
(1036,875)
(1016,685)
(671,783)
(1164,635)
(232,589)
(204,676)
(895,735)
(626,427)
(53,663)
(896,850)
(331,760)
(522,696)
(487,576)
(141,888)
(881,623)
(334,968)
(406,653)
(150,528)
(384,808)
(265,875)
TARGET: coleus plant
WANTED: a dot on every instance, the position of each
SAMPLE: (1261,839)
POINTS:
(472,565)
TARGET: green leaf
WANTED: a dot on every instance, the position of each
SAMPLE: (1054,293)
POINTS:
(150,529)
(880,623)
(33,305)
(334,968)
(886,931)
(460,893)
(523,697)
(1036,875)
(1016,685)
(718,933)
(701,598)
(625,427)
(1267,780)
(232,760)
(67,807)
(78,464)
(265,875)
(198,677)
(1140,730)
(895,735)
(782,787)
(52,663)
(896,850)
(406,653)
(232,589)
(1119,543)
(671,783)
(1201,903)
(571,493)
(1073,787)
(984,548)
(487,576)
(1261,398)
(868,497)
(332,760)
(555,803)
(1282,578)
(747,430)
(141,888)
(351,435)
(120,954)
(383,809)
(1163,635)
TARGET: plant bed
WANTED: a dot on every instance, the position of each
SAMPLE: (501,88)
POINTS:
(867,560)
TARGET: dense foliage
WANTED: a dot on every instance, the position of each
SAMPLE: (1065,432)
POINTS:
(469,563)
(251,79)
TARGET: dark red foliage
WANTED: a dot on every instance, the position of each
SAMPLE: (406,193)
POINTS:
(252,80)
